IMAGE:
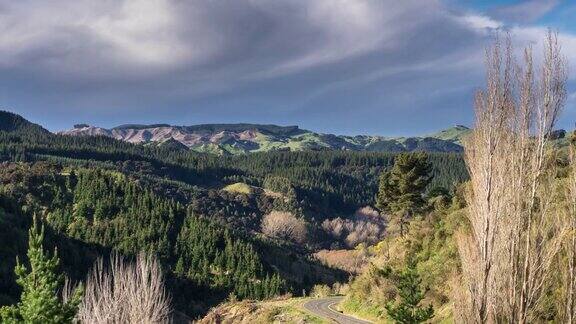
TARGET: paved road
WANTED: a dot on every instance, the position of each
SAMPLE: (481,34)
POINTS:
(324,307)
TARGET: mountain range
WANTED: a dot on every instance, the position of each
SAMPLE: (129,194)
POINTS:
(233,139)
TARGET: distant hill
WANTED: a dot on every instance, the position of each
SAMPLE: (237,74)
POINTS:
(453,134)
(233,139)
(10,122)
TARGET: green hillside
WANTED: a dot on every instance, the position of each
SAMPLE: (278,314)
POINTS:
(453,134)
(238,139)
(97,194)
(10,122)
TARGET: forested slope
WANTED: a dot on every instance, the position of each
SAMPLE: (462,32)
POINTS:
(90,212)
(97,194)
(333,179)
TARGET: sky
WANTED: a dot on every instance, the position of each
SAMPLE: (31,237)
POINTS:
(384,67)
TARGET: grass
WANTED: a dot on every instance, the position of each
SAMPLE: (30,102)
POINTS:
(292,310)
(240,188)
(268,143)
(454,134)
(363,310)
(288,310)
(444,315)
(209,149)
(307,140)
(372,313)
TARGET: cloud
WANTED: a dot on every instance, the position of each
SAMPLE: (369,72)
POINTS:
(250,38)
(85,38)
(536,35)
(222,60)
(197,46)
(148,37)
(525,11)
(480,22)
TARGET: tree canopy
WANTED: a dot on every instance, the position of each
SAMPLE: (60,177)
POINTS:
(41,283)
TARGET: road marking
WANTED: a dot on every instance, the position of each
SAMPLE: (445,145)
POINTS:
(323,307)
(330,307)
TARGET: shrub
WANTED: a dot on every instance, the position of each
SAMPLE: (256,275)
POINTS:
(285,226)
(319,291)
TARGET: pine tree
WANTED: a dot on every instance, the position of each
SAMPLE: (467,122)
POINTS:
(39,302)
(401,189)
(409,311)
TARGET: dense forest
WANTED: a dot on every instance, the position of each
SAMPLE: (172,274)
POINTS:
(90,212)
(97,195)
(336,180)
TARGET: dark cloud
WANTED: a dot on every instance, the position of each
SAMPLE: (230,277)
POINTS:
(377,66)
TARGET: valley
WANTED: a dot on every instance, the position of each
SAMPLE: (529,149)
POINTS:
(287,162)
(261,236)
(201,214)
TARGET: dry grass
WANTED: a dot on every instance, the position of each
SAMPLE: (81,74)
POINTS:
(249,312)
(240,188)
(570,246)
(353,261)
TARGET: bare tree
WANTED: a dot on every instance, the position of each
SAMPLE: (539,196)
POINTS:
(366,226)
(284,225)
(514,233)
(125,293)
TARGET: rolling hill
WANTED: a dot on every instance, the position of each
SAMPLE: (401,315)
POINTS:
(10,122)
(233,139)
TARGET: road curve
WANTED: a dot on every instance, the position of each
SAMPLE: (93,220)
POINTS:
(324,307)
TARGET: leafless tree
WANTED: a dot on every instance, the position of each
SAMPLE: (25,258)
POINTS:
(366,226)
(284,225)
(125,292)
(515,233)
